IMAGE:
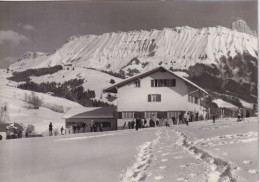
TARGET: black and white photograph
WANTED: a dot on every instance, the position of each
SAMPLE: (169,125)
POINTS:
(129,91)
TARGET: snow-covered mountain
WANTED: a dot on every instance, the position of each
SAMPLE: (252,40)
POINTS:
(241,26)
(179,47)
(228,55)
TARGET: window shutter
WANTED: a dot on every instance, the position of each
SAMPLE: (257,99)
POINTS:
(159,97)
(174,82)
(149,98)
(152,83)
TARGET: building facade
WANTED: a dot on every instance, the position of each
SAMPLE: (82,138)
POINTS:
(158,93)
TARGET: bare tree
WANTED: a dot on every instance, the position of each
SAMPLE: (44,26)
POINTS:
(4,113)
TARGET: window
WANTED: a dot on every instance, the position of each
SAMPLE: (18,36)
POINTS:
(175,114)
(127,115)
(150,115)
(163,83)
(137,83)
(190,99)
(154,98)
(196,100)
(106,124)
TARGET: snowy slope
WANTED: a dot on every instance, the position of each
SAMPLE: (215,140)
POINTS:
(18,110)
(93,80)
(178,47)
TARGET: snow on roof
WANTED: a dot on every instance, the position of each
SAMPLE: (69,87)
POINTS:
(90,112)
(77,110)
(114,87)
(223,104)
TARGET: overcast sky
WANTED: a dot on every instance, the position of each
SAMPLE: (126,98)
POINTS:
(45,26)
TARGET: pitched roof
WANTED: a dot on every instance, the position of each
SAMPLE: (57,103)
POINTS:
(114,87)
(90,112)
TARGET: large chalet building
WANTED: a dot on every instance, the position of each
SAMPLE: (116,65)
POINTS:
(158,93)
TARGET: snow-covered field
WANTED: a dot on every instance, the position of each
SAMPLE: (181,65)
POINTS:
(201,152)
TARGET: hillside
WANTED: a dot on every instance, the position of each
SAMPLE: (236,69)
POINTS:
(16,108)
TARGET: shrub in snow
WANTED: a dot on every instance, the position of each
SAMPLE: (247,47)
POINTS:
(55,107)
(112,81)
(33,100)
(56,131)
(30,129)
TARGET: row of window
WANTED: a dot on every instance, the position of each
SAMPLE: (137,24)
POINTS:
(157,98)
(104,124)
(158,83)
(151,114)
(192,99)
(163,83)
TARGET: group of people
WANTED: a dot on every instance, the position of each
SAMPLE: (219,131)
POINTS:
(94,127)
(241,114)
(79,127)
(183,118)
(51,130)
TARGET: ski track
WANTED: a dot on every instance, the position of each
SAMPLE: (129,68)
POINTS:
(220,170)
(84,137)
(171,145)
(227,139)
(137,171)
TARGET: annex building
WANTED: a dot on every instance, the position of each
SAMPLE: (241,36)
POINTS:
(158,93)
(78,115)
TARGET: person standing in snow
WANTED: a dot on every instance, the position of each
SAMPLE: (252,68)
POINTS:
(180,118)
(191,117)
(167,123)
(100,127)
(157,122)
(186,118)
(78,127)
(133,124)
(50,129)
(91,125)
(213,118)
(239,115)
(145,122)
(197,116)
(124,126)
(150,123)
(95,127)
(173,120)
(129,124)
(84,126)
(61,130)
(74,128)
(137,123)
